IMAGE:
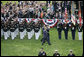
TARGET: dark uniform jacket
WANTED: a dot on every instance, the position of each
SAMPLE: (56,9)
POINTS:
(36,29)
(65,27)
(80,28)
(12,28)
(5,29)
(28,28)
(71,55)
(21,28)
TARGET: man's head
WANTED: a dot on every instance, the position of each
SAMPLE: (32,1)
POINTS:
(70,51)
(41,50)
(56,51)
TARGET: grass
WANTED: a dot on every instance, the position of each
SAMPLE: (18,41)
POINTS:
(31,47)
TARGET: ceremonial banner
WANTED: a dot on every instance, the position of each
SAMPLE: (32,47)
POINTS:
(28,20)
(50,22)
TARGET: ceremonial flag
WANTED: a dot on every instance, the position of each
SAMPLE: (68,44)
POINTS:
(79,14)
(66,15)
(72,13)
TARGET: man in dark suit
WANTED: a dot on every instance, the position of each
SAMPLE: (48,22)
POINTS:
(56,53)
(42,52)
(48,35)
(71,53)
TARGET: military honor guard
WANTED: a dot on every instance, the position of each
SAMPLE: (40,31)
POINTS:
(24,25)
(73,30)
(2,25)
(80,28)
(17,26)
(39,27)
(59,29)
(8,26)
(65,28)
(32,28)
(12,30)
(5,29)
(36,29)
(21,29)
(28,29)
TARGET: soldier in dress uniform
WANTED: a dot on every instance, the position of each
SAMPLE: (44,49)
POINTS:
(21,29)
(2,25)
(59,29)
(36,29)
(73,30)
(5,29)
(8,26)
(65,28)
(32,27)
(12,30)
(28,29)
(80,28)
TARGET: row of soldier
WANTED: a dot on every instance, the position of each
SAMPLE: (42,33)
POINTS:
(13,28)
(69,26)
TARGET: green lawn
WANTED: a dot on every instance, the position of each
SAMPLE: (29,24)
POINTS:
(31,47)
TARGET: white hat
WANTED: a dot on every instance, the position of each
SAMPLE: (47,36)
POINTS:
(70,50)
(56,50)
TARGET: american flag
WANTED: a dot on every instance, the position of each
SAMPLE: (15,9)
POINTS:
(79,14)
(66,15)
(72,13)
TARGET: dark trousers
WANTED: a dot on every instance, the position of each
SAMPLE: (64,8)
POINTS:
(43,40)
(73,35)
(59,34)
(48,39)
(66,34)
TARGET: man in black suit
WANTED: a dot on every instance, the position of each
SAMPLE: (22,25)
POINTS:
(56,53)
(71,53)
(42,52)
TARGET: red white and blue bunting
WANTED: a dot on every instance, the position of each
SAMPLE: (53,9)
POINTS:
(50,22)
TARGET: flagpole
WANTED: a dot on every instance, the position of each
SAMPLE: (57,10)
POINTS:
(79,14)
